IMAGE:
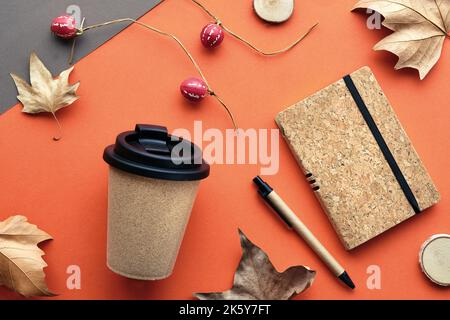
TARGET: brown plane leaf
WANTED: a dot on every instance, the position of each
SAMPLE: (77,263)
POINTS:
(45,94)
(420,29)
(21,263)
(257,279)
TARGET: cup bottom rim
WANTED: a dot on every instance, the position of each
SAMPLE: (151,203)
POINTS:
(137,277)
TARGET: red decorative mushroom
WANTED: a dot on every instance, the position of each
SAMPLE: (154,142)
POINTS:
(212,35)
(194,89)
(64,27)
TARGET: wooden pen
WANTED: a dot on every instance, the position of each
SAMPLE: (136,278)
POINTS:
(293,222)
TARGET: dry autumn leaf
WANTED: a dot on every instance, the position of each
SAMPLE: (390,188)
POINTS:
(420,29)
(257,279)
(45,93)
(21,263)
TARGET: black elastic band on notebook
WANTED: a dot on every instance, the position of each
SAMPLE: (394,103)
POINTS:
(381,143)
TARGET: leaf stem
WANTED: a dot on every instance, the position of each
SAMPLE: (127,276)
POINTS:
(59,137)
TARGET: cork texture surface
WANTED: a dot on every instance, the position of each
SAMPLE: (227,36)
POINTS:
(146,223)
(330,139)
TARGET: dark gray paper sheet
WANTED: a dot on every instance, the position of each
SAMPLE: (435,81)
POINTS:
(25,27)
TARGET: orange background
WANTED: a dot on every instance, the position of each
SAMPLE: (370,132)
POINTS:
(134,78)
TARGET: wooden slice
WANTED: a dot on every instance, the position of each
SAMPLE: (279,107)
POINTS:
(434,258)
(275,11)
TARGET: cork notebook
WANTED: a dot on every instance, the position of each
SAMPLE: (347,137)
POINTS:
(357,157)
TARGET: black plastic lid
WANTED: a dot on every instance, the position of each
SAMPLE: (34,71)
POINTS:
(147,152)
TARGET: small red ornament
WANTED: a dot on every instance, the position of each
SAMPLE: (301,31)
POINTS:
(64,27)
(194,89)
(212,35)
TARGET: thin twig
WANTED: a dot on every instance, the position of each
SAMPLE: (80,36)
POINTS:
(248,43)
(213,94)
(191,58)
(72,51)
(271,53)
(158,31)
(206,10)
(74,42)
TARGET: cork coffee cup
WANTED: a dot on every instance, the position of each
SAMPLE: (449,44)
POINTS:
(153,183)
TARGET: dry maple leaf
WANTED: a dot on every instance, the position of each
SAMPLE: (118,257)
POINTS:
(420,29)
(45,93)
(257,279)
(21,263)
